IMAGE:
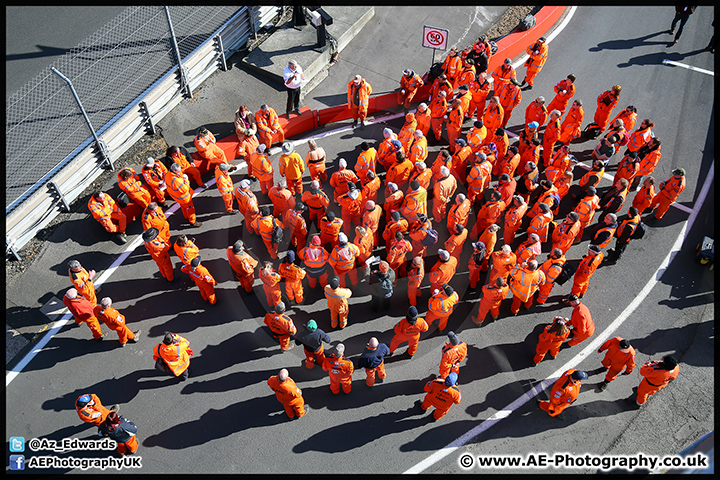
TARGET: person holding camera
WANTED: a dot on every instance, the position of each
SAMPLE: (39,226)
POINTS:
(293,77)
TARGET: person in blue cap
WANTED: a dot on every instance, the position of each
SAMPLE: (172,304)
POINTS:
(441,394)
(564,392)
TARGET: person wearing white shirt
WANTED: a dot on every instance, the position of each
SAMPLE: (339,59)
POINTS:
(293,76)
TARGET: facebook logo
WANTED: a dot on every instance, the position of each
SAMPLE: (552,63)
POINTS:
(17,462)
(17,444)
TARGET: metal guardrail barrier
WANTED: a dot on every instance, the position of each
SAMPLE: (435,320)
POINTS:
(31,204)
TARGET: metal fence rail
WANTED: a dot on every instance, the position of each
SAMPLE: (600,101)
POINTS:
(128,63)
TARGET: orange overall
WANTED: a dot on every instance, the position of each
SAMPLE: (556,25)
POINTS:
(338,305)
(244,267)
(114,321)
(655,378)
(549,343)
(563,393)
(282,328)
(293,276)
(159,251)
(340,371)
(94,412)
(83,311)
(205,282)
(615,360)
(289,395)
(492,297)
(582,324)
(440,397)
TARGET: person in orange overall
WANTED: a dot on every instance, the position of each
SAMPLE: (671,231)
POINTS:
(649,156)
(205,144)
(606,102)
(538,53)
(488,238)
(528,166)
(627,168)
(271,284)
(358,96)
(513,218)
(540,224)
(115,321)
(388,148)
(262,168)
(408,330)
(443,190)
(366,161)
(564,91)
(476,263)
(586,210)
(371,220)
(441,305)
(129,182)
(315,159)
(181,156)
(396,224)
(104,209)
(414,203)
(247,204)
(398,174)
(337,301)
(242,264)
(393,199)
(459,212)
(175,353)
(620,356)
(296,226)
(315,258)
(316,200)
(565,233)
(409,84)
(454,244)
(506,187)
(503,262)
(154,174)
(454,123)
(281,326)
(478,177)
(293,276)
(552,267)
(669,192)
(563,184)
(529,249)
(330,230)
(438,113)
(268,126)
(585,270)
(371,186)
(418,148)
(443,159)
(503,74)
(545,194)
(265,224)
(564,392)
(339,180)
(570,129)
(340,370)
(493,115)
(536,112)
(441,394)
(507,164)
(607,226)
(396,255)
(510,97)
(351,205)
(415,274)
(489,213)
(468,73)
(551,339)
(202,278)
(479,90)
(451,66)
(551,136)
(580,322)
(465,97)
(463,155)
(628,116)
(82,280)
(644,198)
(153,216)
(493,295)
(91,410)
(185,249)
(282,198)
(225,186)
(342,260)
(502,142)
(656,376)
(158,248)
(288,394)
(83,311)
(525,279)
(454,351)
(292,167)
(178,187)
(373,361)
(527,138)
(423,116)
(248,145)
(443,271)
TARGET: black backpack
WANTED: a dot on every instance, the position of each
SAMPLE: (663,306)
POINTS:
(592,131)
(277,235)
(435,71)
(431,238)
(639,231)
(567,272)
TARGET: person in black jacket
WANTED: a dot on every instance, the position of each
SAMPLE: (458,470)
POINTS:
(682,14)
(312,341)
(122,430)
(381,286)
(373,360)
(628,223)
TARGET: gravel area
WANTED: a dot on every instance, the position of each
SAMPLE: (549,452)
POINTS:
(155,146)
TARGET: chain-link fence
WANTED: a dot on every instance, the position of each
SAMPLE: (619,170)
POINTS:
(45,128)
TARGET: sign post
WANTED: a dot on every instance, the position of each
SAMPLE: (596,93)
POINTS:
(435,38)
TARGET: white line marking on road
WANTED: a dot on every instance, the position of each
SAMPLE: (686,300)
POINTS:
(589,349)
(689,67)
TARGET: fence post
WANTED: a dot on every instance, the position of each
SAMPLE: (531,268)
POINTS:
(223,62)
(184,83)
(100,144)
(61,195)
(146,110)
(10,247)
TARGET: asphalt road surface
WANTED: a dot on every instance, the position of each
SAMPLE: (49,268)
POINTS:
(225,419)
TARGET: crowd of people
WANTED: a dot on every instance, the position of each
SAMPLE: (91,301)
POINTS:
(372,223)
